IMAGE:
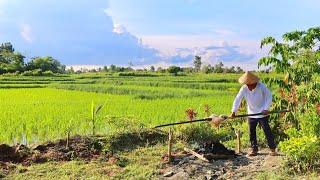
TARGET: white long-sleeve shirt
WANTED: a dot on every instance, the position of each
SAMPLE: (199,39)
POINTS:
(258,99)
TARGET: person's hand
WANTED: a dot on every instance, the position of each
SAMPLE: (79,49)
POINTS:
(232,115)
(265,112)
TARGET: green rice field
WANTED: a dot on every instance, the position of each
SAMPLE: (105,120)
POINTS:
(36,109)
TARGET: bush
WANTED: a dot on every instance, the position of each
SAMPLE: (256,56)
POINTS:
(201,132)
(37,72)
(302,153)
(310,122)
(137,74)
(48,73)
(204,132)
(27,73)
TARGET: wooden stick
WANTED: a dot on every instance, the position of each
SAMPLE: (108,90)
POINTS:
(209,119)
(170,146)
(238,134)
(196,154)
(68,139)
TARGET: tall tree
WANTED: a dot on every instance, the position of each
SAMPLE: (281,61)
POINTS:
(10,61)
(174,69)
(218,68)
(6,47)
(46,64)
(197,63)
(152,68)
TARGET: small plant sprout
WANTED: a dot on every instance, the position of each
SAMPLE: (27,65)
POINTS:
(68,131)
(95,109)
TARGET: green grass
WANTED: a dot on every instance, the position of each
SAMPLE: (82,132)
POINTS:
(44,114)
(36,109)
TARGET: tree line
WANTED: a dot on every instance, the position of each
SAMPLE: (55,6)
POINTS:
(12,61)
(198,67)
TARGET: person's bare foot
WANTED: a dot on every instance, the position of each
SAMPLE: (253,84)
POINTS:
(273,152)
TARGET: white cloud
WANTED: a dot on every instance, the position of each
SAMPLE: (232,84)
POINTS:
(26,33)
(182,49)
(119,29)
(167,44)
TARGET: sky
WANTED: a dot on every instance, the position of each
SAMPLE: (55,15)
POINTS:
(151,32)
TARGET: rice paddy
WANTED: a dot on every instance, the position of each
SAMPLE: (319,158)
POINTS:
(36,109)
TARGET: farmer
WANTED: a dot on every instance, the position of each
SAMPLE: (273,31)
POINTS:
(258,98)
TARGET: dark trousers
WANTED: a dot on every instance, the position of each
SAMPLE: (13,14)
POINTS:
(267,131)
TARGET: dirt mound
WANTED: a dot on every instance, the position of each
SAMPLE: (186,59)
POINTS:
(13,154)
(79,147)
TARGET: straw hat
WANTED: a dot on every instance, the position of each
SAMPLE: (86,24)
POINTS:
(248,78)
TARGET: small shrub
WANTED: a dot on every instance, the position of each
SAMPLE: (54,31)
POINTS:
(37,72)
(27,73)
(196,133)
(310,122)
(48,73)
(302,153)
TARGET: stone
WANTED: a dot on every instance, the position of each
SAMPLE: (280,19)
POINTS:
(168,174)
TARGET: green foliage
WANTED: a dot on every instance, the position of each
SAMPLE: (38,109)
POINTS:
(6,47)
(46,64)
(196,133)
(174,70)
(297,58)
(152,68)
(13,62)
(48,73)
(137,74)
(197,63)
(95,109)
(114,68)
(310,123)
(302,153)
(219,68)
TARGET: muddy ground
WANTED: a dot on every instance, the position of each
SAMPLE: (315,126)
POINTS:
(187,166)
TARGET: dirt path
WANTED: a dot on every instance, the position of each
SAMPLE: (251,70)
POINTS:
(241,167)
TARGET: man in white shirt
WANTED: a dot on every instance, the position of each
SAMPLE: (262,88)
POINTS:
(259,99)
